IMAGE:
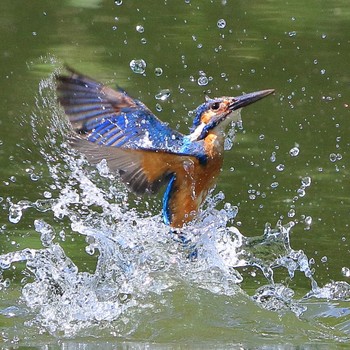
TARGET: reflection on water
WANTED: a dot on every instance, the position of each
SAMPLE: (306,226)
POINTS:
(146,277)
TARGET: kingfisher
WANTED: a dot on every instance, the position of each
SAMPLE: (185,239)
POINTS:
(147,153)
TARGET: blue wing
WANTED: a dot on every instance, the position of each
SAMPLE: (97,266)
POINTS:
(112,118)
(145,151)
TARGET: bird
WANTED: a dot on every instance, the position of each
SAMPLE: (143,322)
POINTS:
(147,153)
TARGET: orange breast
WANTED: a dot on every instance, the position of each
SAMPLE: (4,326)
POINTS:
(193,182)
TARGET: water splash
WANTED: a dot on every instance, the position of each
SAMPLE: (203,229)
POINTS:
(138,262)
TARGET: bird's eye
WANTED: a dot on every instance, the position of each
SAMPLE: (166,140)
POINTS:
(215,106)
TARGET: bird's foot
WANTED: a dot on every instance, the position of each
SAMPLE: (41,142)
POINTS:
(186,243)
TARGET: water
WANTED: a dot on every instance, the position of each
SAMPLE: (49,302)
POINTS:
(138,66)
(163,94)
(84,263)
(140,268)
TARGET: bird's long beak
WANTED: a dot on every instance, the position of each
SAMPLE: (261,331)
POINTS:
(245,100)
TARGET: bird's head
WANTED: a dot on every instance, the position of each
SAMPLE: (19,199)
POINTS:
(214,114)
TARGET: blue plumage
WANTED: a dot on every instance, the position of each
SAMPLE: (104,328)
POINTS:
(112,118)
(146,152)
(166,200)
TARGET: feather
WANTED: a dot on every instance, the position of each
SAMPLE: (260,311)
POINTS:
(142,171)
(110,117)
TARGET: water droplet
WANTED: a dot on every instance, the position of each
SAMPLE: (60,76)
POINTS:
(323,71)
(34,177)
(291,213)
(5,263)
(118,2)
(280,167)
(294,152)
(345,271)
(228,143)
(90,249)
(202,81)
(324,259)
(140,28)
(301,192)
(221,23)
(138,66)
(292,33)
(324,36)
(327,98)
(274,184)
(273,157)
(163,95)
(333,157)
(47,194)
(158,71)
(43,204)
(158,107)
(306,181)
(261,137)
(308,220)
(15,213)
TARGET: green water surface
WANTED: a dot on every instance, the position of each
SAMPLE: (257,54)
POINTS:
(299,48)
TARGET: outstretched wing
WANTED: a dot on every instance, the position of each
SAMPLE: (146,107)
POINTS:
(143,150)
(112,118)
(143,171)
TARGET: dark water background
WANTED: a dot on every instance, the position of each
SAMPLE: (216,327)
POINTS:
(290,162)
